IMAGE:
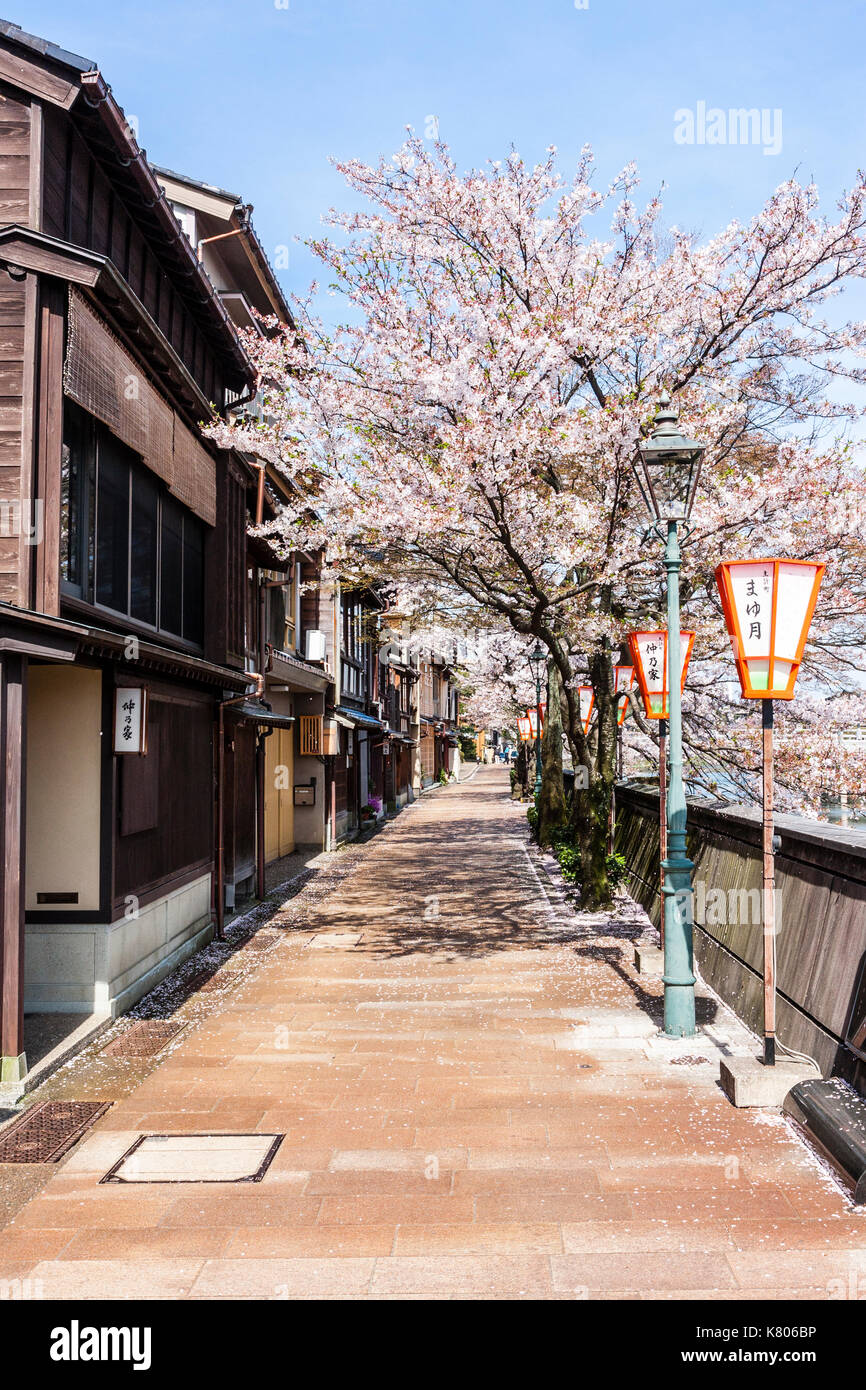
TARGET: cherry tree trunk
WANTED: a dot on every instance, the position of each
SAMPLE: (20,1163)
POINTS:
(591,807)
(522,769)
(552,812)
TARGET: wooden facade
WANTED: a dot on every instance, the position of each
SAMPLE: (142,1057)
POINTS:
(117,518)
(125,561)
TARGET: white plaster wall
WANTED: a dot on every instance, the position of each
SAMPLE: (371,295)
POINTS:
(64,748)
(100,967)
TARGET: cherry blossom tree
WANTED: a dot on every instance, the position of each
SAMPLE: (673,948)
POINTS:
(470,427)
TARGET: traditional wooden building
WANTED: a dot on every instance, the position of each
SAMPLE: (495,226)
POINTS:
(439,708)
(280,764)
(180,702)
(358,774)
(123,558)
(398,683)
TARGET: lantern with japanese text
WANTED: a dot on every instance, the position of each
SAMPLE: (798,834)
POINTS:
(768,606)
(587,705)
(524,728)
(623,680)
(650,653)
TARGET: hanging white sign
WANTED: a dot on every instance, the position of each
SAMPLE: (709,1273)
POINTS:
(130,719)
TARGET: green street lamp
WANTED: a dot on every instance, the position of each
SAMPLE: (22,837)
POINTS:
(537,661)
(667,467)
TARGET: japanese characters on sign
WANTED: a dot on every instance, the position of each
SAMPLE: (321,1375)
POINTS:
(650,653)
(524,728)
(130,719)
(768,606)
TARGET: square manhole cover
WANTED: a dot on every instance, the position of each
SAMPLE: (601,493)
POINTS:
(334,940)
(145,1038)
(196,1158)
(262,941)
(223,979)
(206,981)
(44,1133)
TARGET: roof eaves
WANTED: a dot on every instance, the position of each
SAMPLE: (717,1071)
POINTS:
(45,48)
(97,95)
(196,183)
(243,212)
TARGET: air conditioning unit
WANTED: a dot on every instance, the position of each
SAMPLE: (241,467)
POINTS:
(315,645)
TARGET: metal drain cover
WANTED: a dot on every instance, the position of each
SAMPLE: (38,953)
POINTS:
(196,1158)
(262,941)
(208,980)
(44,1133)
(145,1038)
(223,979)
(333,940)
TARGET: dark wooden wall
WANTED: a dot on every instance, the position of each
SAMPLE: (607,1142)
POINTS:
(17,325)
(403,767)
(80,205)
(15,430)
(15,127)
(317,608)
(821,917)
(342,774)
(225,570)
(171,792)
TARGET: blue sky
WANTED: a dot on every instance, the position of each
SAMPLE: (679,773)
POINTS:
(255,95)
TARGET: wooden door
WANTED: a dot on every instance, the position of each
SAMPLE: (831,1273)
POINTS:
(279,805)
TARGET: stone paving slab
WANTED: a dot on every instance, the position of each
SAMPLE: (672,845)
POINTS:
(476,1099)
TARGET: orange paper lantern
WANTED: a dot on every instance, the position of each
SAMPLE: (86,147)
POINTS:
(768,606)
(587,704)
(623,680)
(650,653)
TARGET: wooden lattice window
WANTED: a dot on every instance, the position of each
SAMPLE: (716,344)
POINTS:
(311,735)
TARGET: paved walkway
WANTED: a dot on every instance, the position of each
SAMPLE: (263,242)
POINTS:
(476,1102)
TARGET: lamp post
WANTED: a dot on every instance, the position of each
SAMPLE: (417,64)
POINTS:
(768,606)
(667,467)
(537,660)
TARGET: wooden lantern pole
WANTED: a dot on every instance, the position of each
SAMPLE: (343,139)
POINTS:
(663,822)
(769,890)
